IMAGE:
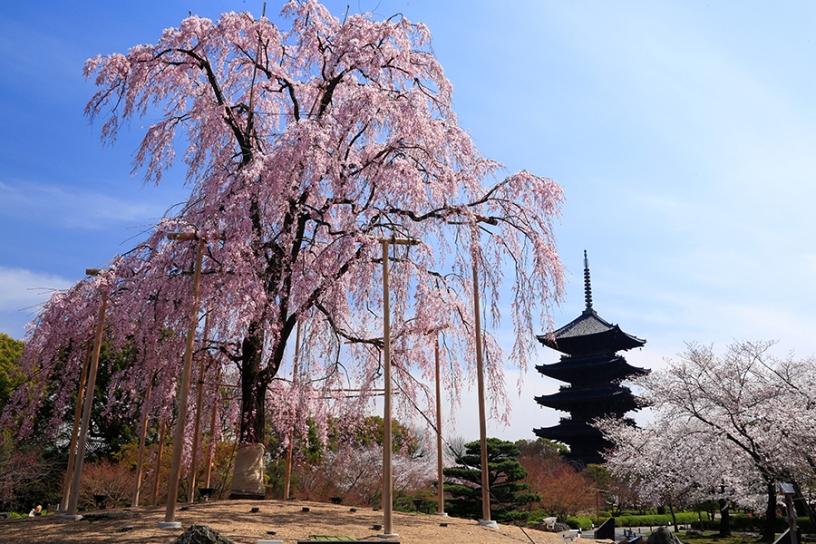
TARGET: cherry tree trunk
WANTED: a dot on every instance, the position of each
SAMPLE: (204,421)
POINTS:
(247,479)
(725,519)
(802,504)
(769,534)
(674,517)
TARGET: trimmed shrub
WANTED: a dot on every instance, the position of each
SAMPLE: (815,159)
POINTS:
(743,523)
(576,522)
(655,520)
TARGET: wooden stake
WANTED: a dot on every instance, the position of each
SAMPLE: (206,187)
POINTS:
(142,438)
(197,427)
(211,450)
(480,386)
(69,470)
(157,471)
(79,462)
(287,478)
(440,486)
(388,477)
(178,440)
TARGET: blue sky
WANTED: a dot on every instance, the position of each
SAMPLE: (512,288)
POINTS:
(683,134)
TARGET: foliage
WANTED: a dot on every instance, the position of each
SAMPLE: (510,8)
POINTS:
(577,522)
(371,431)
(617,492)
(28,476)
(655,520)
(314,477)
(220,473)
(544,448)
(10,378)
(562,490)
(114,413)
(741,523)
(714,538)
(352,471)
(112,480)
(508,491)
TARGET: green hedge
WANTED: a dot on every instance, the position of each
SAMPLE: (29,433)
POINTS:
(655,520)
(756,524)
(739,522)
(585,524)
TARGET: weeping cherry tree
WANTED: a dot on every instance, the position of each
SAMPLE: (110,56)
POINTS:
(303,147)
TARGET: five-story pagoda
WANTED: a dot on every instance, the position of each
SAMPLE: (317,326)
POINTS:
(594,370)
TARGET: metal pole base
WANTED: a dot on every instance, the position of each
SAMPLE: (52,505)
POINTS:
(489,523)
(169,525)
(387,535)
(441,514)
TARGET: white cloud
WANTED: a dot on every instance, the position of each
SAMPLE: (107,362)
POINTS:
(21,293)
(75,208)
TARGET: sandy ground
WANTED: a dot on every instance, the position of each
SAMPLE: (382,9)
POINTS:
(235,520)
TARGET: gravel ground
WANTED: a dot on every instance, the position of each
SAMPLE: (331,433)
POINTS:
(235,520)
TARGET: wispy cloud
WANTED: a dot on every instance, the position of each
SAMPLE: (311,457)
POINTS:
(73,208)
(22,292)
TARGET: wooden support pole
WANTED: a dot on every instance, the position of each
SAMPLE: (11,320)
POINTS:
(197,426)
(481,392)
(440,486)
(178,437)
(82,443)
(211,449)
(69,470)
(287,477)
(142,438)
(154,500)
(388,477)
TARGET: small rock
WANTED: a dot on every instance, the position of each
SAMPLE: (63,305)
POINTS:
(662,536)
(554,528)
(201,534)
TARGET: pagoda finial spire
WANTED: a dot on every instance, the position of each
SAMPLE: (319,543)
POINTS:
(587,285)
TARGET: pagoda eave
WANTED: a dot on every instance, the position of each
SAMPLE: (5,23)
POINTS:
(608,341)
(566,430)
(601,368)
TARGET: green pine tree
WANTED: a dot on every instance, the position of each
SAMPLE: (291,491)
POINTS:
(10,352)
(505,473)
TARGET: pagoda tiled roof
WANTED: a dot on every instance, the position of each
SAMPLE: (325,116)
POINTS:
(590,332)
(599,367)
(573,394)
(567,428)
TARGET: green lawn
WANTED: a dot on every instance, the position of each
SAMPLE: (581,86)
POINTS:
(712,538)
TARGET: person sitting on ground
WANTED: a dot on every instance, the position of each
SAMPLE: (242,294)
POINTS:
(37,511)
